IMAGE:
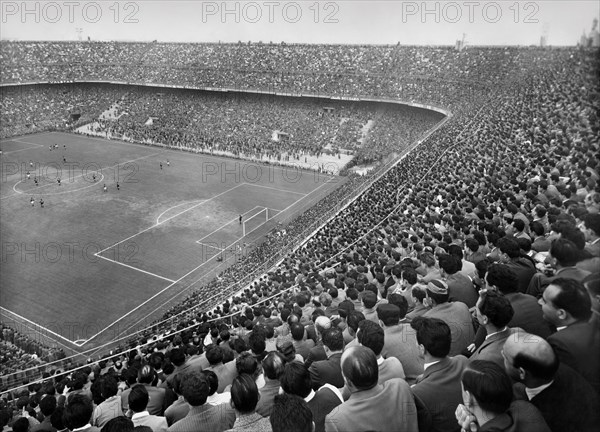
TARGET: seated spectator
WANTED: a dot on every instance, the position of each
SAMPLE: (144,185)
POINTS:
(460,287)
(180,408)
(301,345)
(291,414)
(591,230)
(195,388)
(317,353)
(493,312)
(510,254)
(473,251)
(138,401)
(244,397)
(487,397)
(369,301)
(111,406)
(400,341)
(567,305)
(119,424)
(214,398)
(418,294)
(371,404)
(225,372)
(540,243)
(272,367)
(439,387)
(329,371)
(567,402)
(78,413)
(371,335)
(354,318)
(455,314)
(296,380)
(47,407)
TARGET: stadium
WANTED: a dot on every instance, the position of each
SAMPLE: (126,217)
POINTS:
(288,212)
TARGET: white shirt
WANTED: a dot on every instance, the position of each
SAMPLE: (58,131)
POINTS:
(492,334)
(426,365)
(533,392)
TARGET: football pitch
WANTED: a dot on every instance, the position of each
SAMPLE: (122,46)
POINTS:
(91,264)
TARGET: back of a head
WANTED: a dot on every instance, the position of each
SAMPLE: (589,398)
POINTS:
(21,425)
(495,307)
(138,398)
(110,386)
(389,314)
(369,299)
(531,353)
(48,405)
(291,414)
(146,375)
(437,290)
(489,384)
(177,356)
(118,424)
(214,354)
(510,247)
(295,379)
(565,252)
(434,334)
(246,363)
(359,367)
(213,381)
(322,323)
(297,331)
(195,388)
(370,335)
(78,411)
(354,318)
(244,394)
(502,277)
(333,339)
(273,365)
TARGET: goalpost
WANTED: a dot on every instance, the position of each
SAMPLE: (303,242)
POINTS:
(255,221)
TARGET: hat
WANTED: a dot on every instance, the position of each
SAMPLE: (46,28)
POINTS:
(437,286)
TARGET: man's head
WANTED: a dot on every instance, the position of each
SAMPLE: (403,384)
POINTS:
(493,310)
(369,300)
(388,314)
(529,359)
(502,277)
(359,368)
(244,394)
(371,335)
(509,248)
(450,264)
(433,336)
(565,252)
(273,365)
(333,340)
(295,379)
(487,385)
(195,388)
(565,301)
(437,292)
(291,414)
(322,323)
(591,226)
(78,411)
(138,398)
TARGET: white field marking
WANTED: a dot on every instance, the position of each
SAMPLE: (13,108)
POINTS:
(211,246)
(280,190)
(135,268)
(188,273)
(81,175)
(37,326)
(167,219)
(29,191)
(191,284)
(20,150)
(223,226)
(171,208)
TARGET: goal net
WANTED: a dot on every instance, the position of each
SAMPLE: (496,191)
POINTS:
(255,221)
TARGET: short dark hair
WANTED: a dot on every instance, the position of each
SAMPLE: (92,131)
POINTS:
(118,424)
(389,314)
(21,425)
(519,224)
(177,356)
(472,244)
(434,334)
(195,388)
(359,366)
(409,275)
(48,405)
(244,393)
(537,228)
(110,386)
(371,335)
(354,318)
(138,398)
(399,301)
(592,221)
(496,307)
(502,277)
(246,363)
(290,414)
(333,339)
(295,379)
(213,381)
(257,340)
(214,354)
(572,297)
(297,331)
(450,263)
(489,384)
(369,299)
(419,292)
(510,247)
(78,411)
(565,251)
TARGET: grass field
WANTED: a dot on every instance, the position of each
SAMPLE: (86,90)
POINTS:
(91,264)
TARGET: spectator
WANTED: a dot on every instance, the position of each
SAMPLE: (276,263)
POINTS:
(111,406)
(78,413)
(460,287)
(301,345)
(439,387)
(244,397)
(291,414)
(138,401)
(511,256)
(225,372)
(329,371)
(273,368)
(371,335)
(371,404)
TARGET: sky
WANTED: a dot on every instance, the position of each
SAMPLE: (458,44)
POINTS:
(339,22)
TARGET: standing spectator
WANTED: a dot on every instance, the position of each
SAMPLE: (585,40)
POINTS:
(291,414)
(371,335)
(244,397)
(78,413)
(111,406)
(225,372)
(47,407)
(272,368)
(329,371)
(301,345)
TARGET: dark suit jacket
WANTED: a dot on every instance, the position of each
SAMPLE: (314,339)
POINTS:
(458,318)
(491,348)
(401,342)
(540,281)
(520,416)
(578,346)
(322,403)
(524,269)
(303,347)
(569,404)
(439,389)
(327,372)
(317,353)
(267,394)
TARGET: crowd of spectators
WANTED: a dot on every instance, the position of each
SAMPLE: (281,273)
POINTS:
(473,262)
